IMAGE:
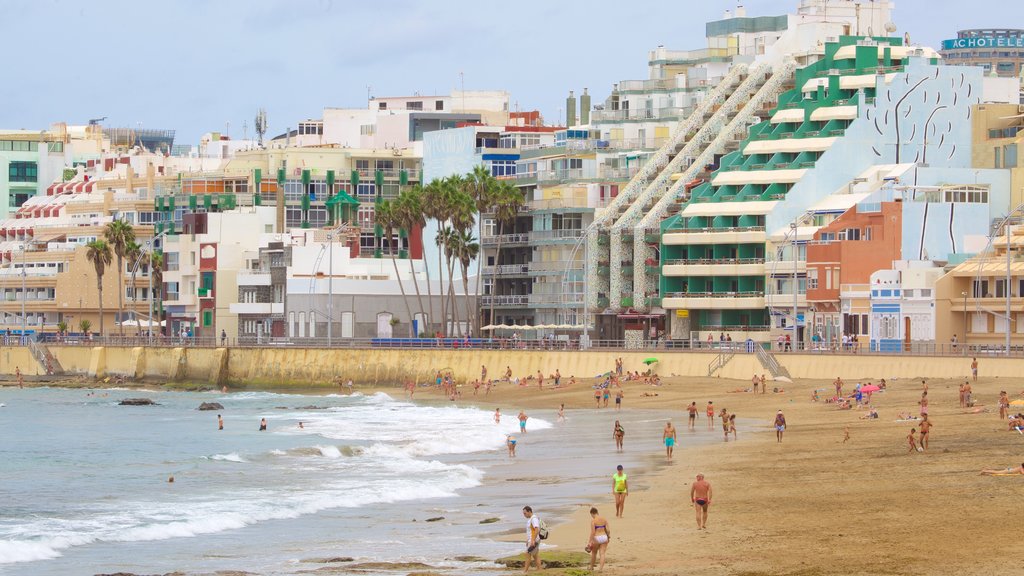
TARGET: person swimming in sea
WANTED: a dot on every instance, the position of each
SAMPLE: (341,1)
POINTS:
(263,424)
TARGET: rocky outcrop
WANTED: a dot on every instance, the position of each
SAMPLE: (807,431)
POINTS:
(137,402)
(210,406)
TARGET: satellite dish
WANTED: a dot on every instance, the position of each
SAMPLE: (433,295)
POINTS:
(890,27)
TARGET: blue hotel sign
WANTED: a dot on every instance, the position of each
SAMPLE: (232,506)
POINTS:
(983,42)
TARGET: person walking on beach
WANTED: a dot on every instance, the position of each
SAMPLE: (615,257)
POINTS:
(483,373)
(510,442)
(755,382)
(21,379)
(968,392)
(912,440)
(669,437)
(780,426)
(618,399)
(263,424)
(724,415)
(597,397)
(600,535)
(558,378)
(923,402)
(605,395)
(974,369)
(220,422)
(522,422)
(1004,405)
(700,495)
(618,433)
(962,403)
(497,415)
(711,416)
(839,387)
(620,488)
(532,539)
(732,427)
(692,413)
(561,412)
(926,427)
(764,384)
(540,379)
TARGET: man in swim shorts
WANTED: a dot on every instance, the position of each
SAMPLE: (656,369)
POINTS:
(522,422)
(780,426)
(692,410)
(669,437)
(700,495)
(532,539)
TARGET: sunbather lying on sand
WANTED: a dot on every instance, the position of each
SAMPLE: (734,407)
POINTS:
(1016,471)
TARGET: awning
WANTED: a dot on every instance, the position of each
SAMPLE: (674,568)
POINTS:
(341,197)
(51,237)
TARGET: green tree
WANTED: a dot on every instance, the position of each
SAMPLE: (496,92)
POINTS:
(431,206)
(99,253)
(119,235)
(408,211)
(508,202)
(156,268)
(84,325)
(483,188)
(466,250)
(384,215)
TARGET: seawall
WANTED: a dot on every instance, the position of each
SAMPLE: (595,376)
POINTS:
(309,367)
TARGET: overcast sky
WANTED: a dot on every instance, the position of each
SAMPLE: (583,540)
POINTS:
(194,65)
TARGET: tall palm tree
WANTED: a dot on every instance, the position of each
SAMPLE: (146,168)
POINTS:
(384,215)
(133,253)
(483,187)
(462,216)
(467,249)
(444,242)
(431,200)
(119,234)
(156,269)
(98,252)
(509,200)
(408,210)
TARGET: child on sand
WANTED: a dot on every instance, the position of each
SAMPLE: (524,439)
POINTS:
(912,440)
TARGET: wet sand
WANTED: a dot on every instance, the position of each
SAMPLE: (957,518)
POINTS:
(812,504)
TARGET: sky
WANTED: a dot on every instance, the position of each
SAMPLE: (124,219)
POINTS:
(197,66)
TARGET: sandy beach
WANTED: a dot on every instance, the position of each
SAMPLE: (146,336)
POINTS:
(812,504)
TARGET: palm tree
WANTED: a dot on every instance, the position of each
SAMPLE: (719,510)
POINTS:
(467,249)
(483,188)
(444,243)
(133,253)
(462,217)
(119,235)
(431,198)
(98,252)
(156,269)
(84,325)
(384,214)
(408,211)
(509,200)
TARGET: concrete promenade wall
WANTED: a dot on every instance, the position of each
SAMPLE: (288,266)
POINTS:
(321,367)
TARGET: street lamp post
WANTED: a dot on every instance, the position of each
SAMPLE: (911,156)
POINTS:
(24,294)
(1006,289)
(796,290)
(964,294)
(330,287)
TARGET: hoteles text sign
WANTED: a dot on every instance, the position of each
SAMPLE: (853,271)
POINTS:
(984,42)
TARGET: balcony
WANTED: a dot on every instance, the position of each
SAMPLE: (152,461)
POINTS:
(640,114)
(732,235)
(549,235)
(714,300)
(508,300)
(253,279)
(556,300)
(258,308)
(506,270)
(554,267)
(507,240)
(715,267)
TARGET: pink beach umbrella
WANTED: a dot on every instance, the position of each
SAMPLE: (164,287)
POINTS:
(869,388)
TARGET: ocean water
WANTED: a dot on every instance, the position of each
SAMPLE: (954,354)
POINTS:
(83,481)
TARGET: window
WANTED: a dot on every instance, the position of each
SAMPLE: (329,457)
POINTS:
(867,232)
(1000,288)
(852,233)
(997,153)
(22,171)
(366,189)
(207,317)
(980,289)
(367,129)
(414,105)
(382,105)
(500,168)
(439,105)
(1010,156)
(828,236)
(292,217)
(979,322)
(365,217)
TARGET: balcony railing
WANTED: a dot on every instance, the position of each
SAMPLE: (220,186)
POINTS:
(639,114)
(697,261)
(506,239)
(506,270)
(506,300)
(555,234)
(714,295)
(714,230)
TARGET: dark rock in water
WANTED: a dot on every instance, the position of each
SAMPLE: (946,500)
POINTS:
(435,519)
(137,402)
(210,406)
(331,560)
(470,559)
(489,520)
(311,407)
(280,407)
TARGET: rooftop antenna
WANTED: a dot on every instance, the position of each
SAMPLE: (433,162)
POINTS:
(260,125)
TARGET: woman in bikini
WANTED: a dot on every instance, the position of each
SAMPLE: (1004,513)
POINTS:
(711,416)
(599,537)
(618,433)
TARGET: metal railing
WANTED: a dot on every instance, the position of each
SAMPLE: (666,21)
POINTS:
(506,239)
(714,230)
(696,261)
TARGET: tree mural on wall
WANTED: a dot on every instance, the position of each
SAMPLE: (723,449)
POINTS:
(911,117)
